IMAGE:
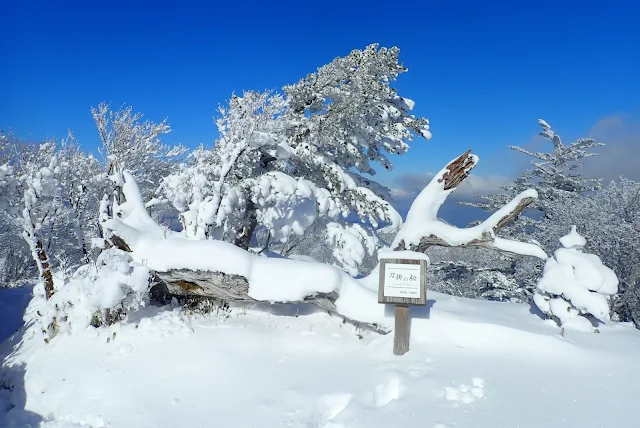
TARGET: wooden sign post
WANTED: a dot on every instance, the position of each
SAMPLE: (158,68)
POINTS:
(403,282)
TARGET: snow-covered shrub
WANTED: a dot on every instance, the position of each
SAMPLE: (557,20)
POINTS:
(207,306)
(495,285)
(351,243)
(96,294)
(475,273)
(610,220)
(574,284)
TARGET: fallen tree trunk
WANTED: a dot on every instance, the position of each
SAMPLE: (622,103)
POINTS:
(235,288)
(231,288)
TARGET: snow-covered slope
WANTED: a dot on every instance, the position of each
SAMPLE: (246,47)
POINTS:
(471,364)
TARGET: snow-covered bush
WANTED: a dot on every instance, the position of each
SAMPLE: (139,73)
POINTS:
(476,273)
(610,220)
(575,284)
(96,294)
(351,243)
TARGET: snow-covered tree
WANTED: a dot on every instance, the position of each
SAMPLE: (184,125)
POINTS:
(575,283)
(42,207)
(128,144)
(52,201)
(213,192)
(349,112)
(556,176)
(213,268)
(8,182)
(82,184)
(284,162)
(16,263)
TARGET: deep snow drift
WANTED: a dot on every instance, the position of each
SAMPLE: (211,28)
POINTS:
(471,364)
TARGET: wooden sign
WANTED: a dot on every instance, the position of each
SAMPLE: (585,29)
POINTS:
(403,282)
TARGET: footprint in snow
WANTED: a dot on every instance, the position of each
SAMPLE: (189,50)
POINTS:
(385,393)
(466,393)
(330,406)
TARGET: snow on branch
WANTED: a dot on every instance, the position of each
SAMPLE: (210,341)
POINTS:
(423,229)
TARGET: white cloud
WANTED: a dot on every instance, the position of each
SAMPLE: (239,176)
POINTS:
(621,155)
(409,185)
(406,187)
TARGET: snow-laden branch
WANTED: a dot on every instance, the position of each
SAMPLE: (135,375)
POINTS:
(423,229)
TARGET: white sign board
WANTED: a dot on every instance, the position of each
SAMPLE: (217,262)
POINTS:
(402,280)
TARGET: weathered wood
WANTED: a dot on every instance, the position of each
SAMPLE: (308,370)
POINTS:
(119,243)
(522,205)
(184,282)
(235,288)
(401,332)
(45,268)
(486,240)
(458,170)
(422,300)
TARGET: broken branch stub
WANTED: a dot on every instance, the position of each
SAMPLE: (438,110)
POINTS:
(458,169)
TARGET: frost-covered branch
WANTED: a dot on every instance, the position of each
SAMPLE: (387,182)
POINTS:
(130,144)
(423,229)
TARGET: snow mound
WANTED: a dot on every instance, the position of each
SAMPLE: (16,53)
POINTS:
(575,283)
(113,285)
(573,240)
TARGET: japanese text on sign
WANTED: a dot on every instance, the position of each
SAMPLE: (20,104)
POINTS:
(402,280)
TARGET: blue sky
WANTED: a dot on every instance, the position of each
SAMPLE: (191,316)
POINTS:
(483,73)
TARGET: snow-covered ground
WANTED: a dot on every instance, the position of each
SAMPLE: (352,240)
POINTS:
(471,364)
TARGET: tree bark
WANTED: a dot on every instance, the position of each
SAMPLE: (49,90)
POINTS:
(235,288)
(45,268)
